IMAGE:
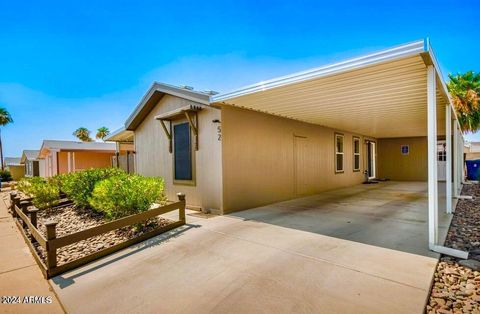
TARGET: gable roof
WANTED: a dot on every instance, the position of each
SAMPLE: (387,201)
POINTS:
(74,146)
(12,161)
(153,96)
(29,154)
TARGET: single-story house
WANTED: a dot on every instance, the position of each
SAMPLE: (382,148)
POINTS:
(124,149)
(385,115)
(69,156)
(34,167)
(16,169)
(472,151)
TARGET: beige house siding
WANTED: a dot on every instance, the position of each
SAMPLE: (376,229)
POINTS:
(395,166)
(153,158)
(17,172)
(472,156)
(259,159)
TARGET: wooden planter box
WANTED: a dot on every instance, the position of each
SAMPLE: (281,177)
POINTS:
(26,219)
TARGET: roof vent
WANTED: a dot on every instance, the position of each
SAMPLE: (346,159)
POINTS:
(210,92)
(187,87)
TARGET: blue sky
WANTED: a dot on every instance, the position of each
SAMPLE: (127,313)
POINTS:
(87,63)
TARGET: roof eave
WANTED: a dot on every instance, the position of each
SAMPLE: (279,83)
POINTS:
(154,94)
(398,52)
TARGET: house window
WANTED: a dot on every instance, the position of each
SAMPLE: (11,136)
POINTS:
(182,153)
(339,139)
(356,153)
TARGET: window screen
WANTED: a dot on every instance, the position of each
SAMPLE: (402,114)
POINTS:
(182,152)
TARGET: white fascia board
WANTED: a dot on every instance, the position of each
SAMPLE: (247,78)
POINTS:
(170,90)
(391,54)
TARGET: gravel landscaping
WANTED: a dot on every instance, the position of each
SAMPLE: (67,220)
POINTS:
(456,287)
(71,220)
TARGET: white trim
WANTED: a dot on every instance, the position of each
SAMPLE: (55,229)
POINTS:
(373,154)
(432,158)
(69,161)
(464,197)
(338,135)
(391,54)
(448,173)
(455,161)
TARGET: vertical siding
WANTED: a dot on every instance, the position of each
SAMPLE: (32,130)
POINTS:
(152,157)
(259,159)
(395,166)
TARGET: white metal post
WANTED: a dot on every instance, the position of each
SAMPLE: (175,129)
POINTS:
(432,158)
(455,160)
(448,164)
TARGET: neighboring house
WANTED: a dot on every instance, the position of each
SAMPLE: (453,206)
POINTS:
(16,169)
(69,156)
(381,116)
(34,167)
(124,150)
(472,151)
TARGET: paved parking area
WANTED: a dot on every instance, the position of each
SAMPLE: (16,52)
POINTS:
(254,261)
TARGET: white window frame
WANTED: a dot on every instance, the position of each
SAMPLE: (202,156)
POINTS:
(356,154)
(337,136)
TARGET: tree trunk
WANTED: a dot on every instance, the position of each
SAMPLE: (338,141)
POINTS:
(1,150)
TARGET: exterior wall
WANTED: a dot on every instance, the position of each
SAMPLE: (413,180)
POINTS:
(259,159)
(153,158)
(472,156)
(41,168)
(17,172)
(62,162)
(395,166)
(88,159)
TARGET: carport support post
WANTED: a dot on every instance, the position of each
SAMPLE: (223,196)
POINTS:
(456,159)
(432,158)
(448,135)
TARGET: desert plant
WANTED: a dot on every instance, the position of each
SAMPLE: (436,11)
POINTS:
(25,184)
(5,176)
(83,134)
(102,133)
(5,118)
(79,185)
(44,193)
(125,195)
(465,93)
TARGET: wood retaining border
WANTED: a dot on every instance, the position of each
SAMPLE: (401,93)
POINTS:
(26,220)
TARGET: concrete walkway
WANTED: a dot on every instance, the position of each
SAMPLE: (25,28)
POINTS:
(19,273)
(228,264)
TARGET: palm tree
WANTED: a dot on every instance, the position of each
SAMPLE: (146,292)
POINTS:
(465,93)
(83,134)
(102,133)
(5,118)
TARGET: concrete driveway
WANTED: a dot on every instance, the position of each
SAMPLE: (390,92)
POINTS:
(239,265)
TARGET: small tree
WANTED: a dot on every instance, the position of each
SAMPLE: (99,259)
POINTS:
(102,133)
(83,134)
(5,118)
(465,93)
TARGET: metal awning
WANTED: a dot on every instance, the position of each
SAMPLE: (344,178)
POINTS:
(380,95)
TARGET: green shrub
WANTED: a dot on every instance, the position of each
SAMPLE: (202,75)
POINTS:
(79,185)
(126,195)
(26,184)
(44,193)
(5,176)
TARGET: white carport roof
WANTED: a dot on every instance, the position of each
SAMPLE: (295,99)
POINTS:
(120,135)
(382,95)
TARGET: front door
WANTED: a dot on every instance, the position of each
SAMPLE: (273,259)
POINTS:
(371,159)
(441,161)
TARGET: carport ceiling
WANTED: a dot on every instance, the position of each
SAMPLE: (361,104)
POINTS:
(381,95)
